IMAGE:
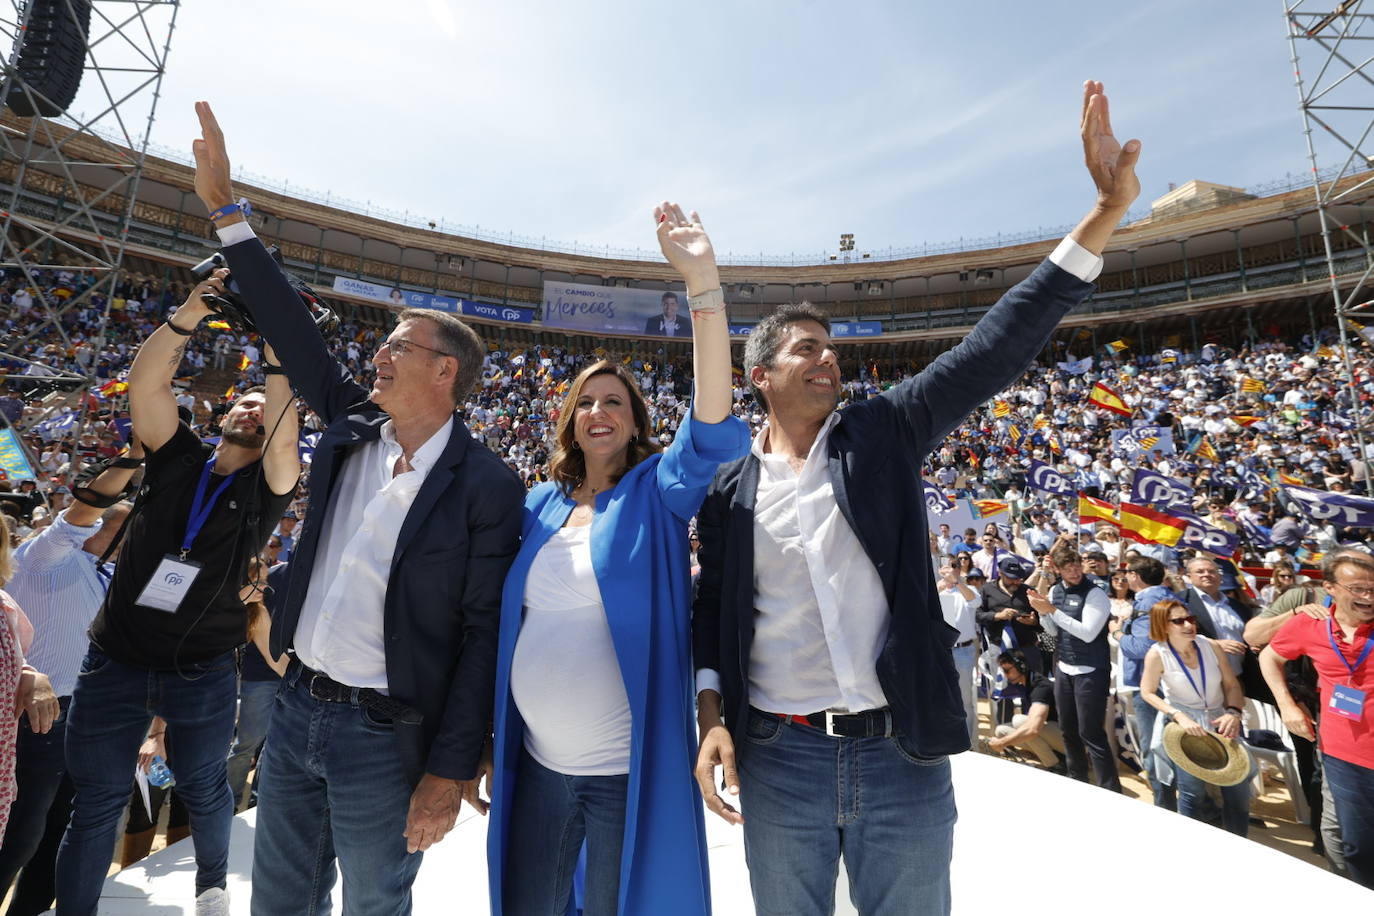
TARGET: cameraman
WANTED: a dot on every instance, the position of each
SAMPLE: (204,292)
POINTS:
(163,644)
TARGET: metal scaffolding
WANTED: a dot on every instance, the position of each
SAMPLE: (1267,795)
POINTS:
(87,161)
(1338,99)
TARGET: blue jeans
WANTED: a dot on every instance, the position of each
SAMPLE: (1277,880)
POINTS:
(111,708)
(808,799)
(330,786)
(1194,802)
(551,815)
(43,797)
(1352,787)
(965,660)
(256,699)
(1165,796)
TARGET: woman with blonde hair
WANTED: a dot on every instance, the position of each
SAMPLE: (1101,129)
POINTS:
(594,724)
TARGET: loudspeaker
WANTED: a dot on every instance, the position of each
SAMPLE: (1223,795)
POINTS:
(51,58)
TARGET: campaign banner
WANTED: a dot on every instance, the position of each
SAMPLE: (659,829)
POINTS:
(616,309)
(497,312)
(1322,505)
(1201,536)
(1147,439)
(936,501)
(856,328)
(394,296)
(741,330)
(13,461)
(1047,479)
(1150,488)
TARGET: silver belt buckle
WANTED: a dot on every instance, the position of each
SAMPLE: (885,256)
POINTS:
(314,676)
(830,723)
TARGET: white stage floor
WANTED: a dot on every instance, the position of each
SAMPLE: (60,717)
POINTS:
(1112,843)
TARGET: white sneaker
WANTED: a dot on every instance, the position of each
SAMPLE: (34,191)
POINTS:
(213,901)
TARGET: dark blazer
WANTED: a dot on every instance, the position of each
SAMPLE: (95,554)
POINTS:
(875,455)
(443,598)
(655,326)
(1251,677)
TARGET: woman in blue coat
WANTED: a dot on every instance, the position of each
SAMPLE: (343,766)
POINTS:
(594,724)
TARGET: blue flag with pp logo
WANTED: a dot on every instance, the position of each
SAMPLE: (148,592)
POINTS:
(1341,508)
(1047,479)
(1150,488)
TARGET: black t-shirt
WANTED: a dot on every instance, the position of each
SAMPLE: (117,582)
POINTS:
(211,620)
(1040,689)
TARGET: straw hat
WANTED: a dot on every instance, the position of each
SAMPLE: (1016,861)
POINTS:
(1210,757)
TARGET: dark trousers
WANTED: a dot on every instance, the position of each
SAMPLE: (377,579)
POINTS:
(38,816)
(1352,787)
(1081,700)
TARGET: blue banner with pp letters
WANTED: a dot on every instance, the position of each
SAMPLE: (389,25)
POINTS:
(394,295)
(616,309)
(856,328)
(497,312)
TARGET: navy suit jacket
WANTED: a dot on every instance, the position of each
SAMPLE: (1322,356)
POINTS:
(1251,677)
(443,598)
(875,455)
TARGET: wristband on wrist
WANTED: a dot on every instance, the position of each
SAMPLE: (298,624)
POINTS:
(271,368)
(181,331)
(1234,711)
(711,302)
(239,206)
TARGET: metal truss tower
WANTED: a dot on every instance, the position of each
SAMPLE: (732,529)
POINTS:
(1337,42)
(73,178)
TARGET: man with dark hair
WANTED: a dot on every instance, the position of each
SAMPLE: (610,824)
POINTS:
(163,643)
(819,641)
(392,607)
(1077,609)
(1034,725)
(668,324)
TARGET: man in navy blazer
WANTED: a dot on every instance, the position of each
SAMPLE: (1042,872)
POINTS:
(827,688)
(393,600)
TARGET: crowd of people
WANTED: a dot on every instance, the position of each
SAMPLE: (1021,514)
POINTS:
(442,638)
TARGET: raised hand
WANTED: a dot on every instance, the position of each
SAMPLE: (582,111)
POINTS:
(213,185)
(1111,164)
(687,247)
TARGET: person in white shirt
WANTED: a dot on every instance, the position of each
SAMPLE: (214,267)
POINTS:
(958,600)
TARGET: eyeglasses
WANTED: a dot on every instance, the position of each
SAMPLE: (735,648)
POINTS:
(401,346)
(1182,620)
(1359,591)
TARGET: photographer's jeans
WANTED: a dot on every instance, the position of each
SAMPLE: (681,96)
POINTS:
(111,708)
(808,798)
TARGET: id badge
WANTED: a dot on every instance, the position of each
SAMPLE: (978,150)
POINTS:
(169,584)
(1346,702)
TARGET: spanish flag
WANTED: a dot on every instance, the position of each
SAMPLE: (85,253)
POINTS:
(230,393)
(1246,419)
(113,387)
(1119,345)
(1053,442)
(1000,409)
(1107,399)
(243,362)
(990,507)
(218,324)
(1251,385)
(1092,510)
(1150,526)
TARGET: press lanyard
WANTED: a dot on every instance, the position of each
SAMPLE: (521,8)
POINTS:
(1364,653)
(201,507)
(1202,667)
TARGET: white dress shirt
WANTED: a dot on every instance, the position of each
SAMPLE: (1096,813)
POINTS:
(341,628)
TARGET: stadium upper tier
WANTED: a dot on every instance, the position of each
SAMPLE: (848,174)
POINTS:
(1206,256)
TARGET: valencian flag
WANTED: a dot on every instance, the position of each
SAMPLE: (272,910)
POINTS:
(1288,480)
(1203,449)
(1000,409)
(1053,442)
(990,507)
(1014,434)
(1251,385)
(1107,399)
(1150,526)
(1092,510)
(1042,422)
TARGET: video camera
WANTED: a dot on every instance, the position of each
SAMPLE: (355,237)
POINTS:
(231,308)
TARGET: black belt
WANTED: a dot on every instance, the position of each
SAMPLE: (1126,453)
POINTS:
(963,645)
(324,688)
(871,723)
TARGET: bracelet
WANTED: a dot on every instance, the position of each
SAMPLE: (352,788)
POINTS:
(178,330)
(239,206)
(271,369)
(711,302)
(1235,712)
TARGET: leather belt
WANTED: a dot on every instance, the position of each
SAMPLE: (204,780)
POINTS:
(963,645)
(871,723)
(324,688)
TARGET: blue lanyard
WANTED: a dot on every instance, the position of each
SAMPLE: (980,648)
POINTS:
(201,507)
(1364,653)
(1202,667)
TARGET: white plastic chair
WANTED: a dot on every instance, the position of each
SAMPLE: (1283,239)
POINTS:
(1266,716)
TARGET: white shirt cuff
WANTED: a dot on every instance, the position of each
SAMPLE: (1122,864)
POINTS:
(242,232)
(1076,259)
(708,679)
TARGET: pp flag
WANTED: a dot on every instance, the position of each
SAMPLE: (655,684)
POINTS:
(1107,399)
(1149,488)
(935,500)
(1046,479)
(1201,536)
(1341,508)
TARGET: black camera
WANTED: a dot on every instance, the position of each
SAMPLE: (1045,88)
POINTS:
(233,311)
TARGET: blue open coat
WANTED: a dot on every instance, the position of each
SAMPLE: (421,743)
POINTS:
(640,555)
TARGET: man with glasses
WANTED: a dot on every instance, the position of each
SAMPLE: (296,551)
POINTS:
(391,611)
(1340,647)
(1222,618)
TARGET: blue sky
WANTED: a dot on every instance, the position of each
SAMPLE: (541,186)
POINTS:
(784,123)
